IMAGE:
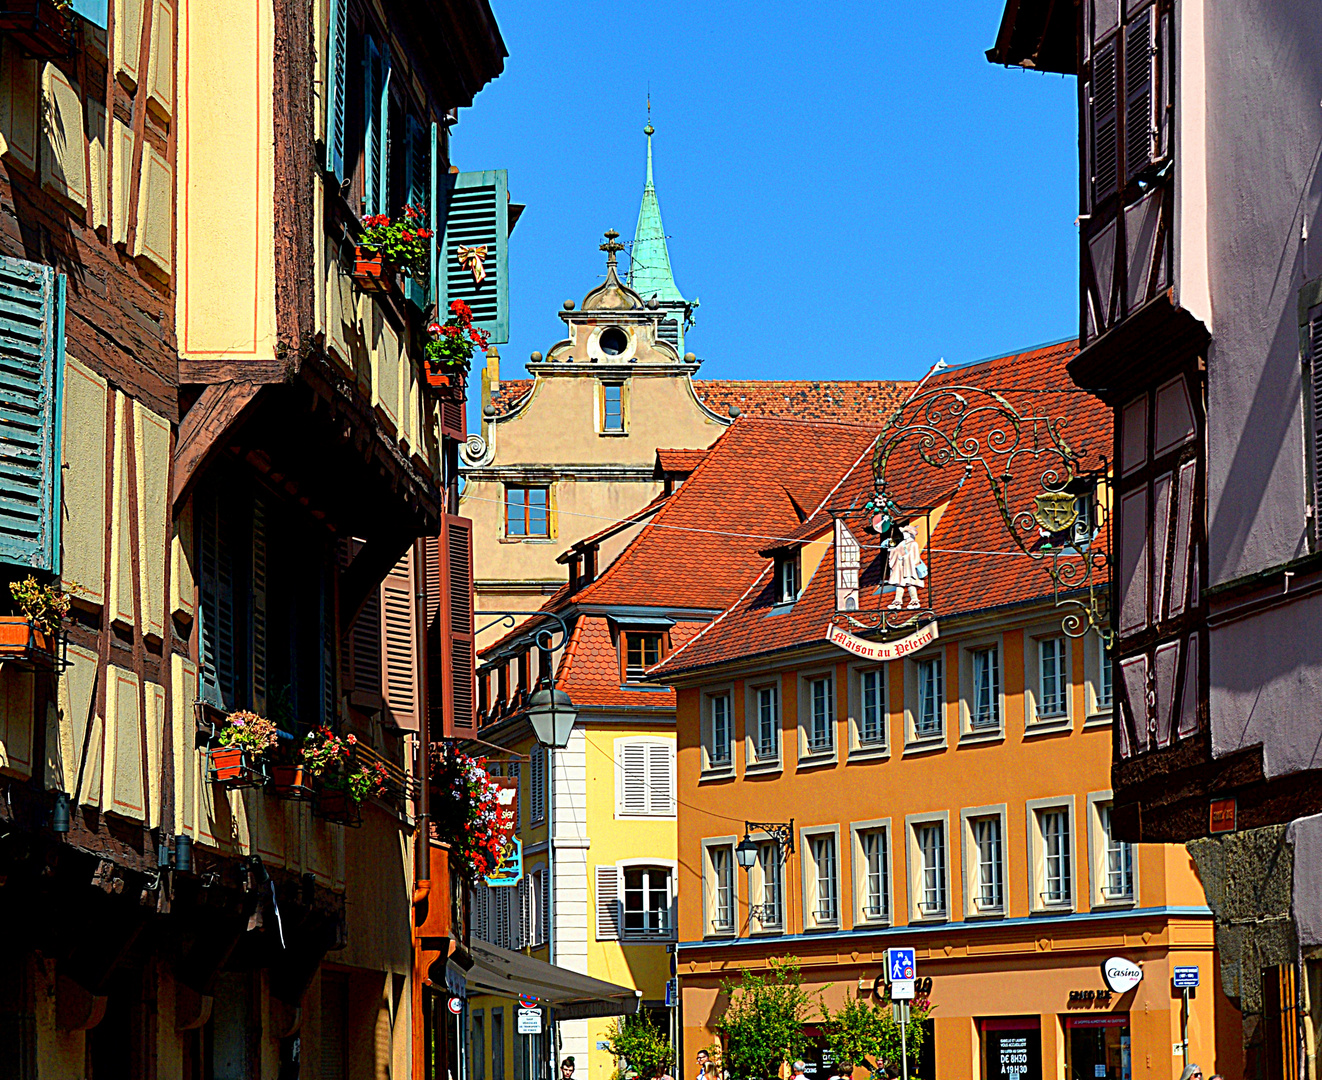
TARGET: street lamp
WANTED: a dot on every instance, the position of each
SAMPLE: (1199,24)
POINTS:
(552,714)
(746,853)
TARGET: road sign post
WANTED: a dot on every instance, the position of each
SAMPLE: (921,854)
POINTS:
(1185,978)
(902,967)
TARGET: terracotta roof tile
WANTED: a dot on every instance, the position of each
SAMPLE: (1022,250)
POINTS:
(511,395)
(678,461)
(590,671)
(974,563)
(856,402)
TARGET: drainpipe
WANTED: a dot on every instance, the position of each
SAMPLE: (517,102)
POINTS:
(422,856)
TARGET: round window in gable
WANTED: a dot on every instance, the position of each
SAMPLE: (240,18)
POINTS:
(613,341)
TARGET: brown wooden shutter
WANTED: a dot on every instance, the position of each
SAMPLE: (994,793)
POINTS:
(399,653)
(1105,151)
(1140,93)
(453,422)
(456,630)
(365,651)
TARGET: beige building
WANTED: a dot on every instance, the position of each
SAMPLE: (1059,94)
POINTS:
(573,450)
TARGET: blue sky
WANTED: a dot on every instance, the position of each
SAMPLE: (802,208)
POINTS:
(850,189)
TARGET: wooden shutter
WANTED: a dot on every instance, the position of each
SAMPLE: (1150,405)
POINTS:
(383,126)
(1310,323)
(329,683)
(337,49)
(546,906)
(523,937)
(399,652)
(372,141)
(418,177)
(475,211)
(660,773)
(516,773)
(31,389)
(608,903)
(478,920)
(437,654)
(1105,149)
(456,631)
(216,634)
(504,917)
(365,648)
(537,785)
(259,553)
(433,209)
(633,778)
(1140,93)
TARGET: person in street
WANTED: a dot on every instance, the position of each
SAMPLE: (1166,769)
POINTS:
(704,1059)
(844,1070)
(567,1069)
(799,1068)
(1191,1072)
(904,563)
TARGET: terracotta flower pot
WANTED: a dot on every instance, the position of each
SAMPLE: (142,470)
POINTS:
(226,763)
(371,272)
(292,781)
(37,27)
(21,639)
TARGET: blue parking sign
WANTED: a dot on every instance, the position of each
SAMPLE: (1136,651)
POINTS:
(901,964)
(1185,977)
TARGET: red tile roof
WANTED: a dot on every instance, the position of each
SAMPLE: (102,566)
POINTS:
(510,395)
(678,461)
(973,561)
(590,670)
(867,402)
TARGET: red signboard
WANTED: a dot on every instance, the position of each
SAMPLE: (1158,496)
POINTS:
(1223,815)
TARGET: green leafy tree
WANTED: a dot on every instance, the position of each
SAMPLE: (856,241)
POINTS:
(763,1026)
(640,1048)
(887,1056)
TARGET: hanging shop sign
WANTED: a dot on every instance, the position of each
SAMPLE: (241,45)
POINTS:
(510,870)
(882,650)
(1121,975)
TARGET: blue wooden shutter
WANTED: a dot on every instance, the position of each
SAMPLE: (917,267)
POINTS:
(31,388)
(433,207)
(475,209)
(216,584)
(336,51)
(418,183)
(383,123)
(371,127)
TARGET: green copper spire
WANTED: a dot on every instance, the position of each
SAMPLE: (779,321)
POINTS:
(649,259)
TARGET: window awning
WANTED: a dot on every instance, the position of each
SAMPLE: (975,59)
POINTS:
(571,995)
(647,622)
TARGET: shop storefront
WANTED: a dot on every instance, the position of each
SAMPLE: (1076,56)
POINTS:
(1011,1047)
(1098,1047)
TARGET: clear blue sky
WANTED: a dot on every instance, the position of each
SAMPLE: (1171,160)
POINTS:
(850,189)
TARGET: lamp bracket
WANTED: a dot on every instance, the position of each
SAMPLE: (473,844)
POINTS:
(780,831)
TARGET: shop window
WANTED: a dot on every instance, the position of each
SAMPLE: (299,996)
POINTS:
(1098,1046)
(717,745)
(821,900)
(1012,1048)
(479,1044)
(527,512)
(497,1044)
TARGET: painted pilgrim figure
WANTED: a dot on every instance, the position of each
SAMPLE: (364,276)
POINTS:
(903,562)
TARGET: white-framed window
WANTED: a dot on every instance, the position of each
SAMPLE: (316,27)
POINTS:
(648,899)
(718,744)
(719,889)
(535,903)
(1114,869)
(644,777)
(981,690)
(767,885)
(925,699)
(762,723)
(872,871)
(817,715)
(1048,678)
(984,860)
(821,877)
(537,785)
(787,578)
(929,862)
(1051,853)
(868,718)
(1105,673)
(1052,677)
(1097,679)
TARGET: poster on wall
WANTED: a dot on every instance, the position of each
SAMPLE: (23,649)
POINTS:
(1012,1049)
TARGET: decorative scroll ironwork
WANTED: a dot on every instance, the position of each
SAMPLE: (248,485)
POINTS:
(544,638)
(982,431)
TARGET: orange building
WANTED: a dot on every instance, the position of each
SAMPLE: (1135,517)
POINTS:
(955,799)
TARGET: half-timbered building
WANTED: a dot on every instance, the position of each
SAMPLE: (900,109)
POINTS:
(1200,321)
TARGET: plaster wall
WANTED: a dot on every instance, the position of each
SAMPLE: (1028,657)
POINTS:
(1263,142)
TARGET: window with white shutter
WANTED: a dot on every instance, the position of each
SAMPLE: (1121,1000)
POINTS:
(522,934)
(661,779)
(608,903)
(31,388)
(645,778)
(537,786)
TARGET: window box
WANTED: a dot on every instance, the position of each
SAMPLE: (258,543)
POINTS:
(233,767)
(22,641)
(371,272)
(338,806)
(452,384)
(37,27)
(292,782)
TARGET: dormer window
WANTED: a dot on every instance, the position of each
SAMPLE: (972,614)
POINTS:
(642,650)
(787,578)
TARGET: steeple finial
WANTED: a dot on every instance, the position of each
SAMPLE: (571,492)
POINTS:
(610,247)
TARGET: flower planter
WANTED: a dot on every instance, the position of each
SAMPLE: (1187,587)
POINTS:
(338,806)
(234,767)
(21,640)
(37,27)
(292,782)
(371,272)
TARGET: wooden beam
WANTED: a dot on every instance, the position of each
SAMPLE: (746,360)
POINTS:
(215,371)
(204,426)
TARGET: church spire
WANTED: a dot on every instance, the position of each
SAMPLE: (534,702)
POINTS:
(649,259)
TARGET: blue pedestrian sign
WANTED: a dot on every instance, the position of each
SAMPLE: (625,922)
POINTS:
(1185,977)
(901,964)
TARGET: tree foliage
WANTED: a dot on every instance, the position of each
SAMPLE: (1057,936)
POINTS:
(860,1033)
(763,1026)
(640,1048)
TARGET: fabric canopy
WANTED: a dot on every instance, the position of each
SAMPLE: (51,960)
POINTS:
(571,995)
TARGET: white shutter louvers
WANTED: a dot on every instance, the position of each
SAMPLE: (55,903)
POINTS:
(608,903)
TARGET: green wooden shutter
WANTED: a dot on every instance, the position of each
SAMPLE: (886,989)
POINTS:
(383,123)
(371,126)
(337,50)
(216,633)
(433,208)
(259,562)
(418,177)
(31,388)
(475,210)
